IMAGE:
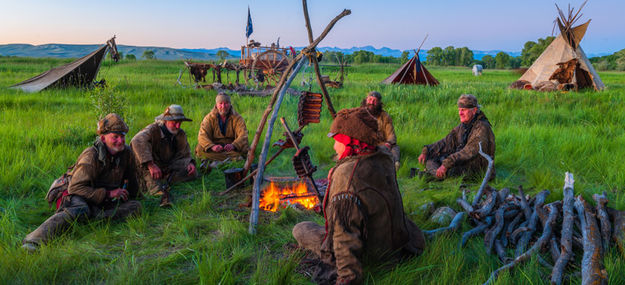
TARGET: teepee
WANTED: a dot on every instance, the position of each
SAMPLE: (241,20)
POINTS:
(412,72)
(563,64)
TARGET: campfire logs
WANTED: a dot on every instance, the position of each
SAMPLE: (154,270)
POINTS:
(279,195)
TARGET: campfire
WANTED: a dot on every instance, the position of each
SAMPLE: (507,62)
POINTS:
(276,196)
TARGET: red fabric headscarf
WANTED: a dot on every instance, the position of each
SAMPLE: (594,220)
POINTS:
(353,146)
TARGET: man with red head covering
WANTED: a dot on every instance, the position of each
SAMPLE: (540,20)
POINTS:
(362,207)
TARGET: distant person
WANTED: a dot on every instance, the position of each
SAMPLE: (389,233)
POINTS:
(373,103)
(163,154)
(458,153)
(223,133)
(101,185)
(363,209)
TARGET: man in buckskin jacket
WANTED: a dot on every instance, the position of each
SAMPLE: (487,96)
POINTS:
(102,181)
(373,103)
(458,153)
(163,155)
(363,208)
(222,133)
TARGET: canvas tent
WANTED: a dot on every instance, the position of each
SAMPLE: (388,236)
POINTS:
(563,64)
(81,72)
(412,72)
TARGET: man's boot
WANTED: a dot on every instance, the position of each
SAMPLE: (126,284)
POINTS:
(166,200)
(47,230)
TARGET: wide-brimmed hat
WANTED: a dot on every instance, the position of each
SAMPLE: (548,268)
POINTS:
(356,123)
(375,94)
(172,113)
(112,123)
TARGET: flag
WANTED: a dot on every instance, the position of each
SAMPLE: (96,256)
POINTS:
(249,29)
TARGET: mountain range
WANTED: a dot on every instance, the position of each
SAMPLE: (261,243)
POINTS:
(165,53)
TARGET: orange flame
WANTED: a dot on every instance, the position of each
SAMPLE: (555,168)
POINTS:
(274,197)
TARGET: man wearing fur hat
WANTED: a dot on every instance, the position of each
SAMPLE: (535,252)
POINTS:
(222,133)
(373,103)
(362,207)
(458,153)
(102,181)
(163,153)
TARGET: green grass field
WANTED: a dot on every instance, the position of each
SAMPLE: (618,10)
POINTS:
(204,238)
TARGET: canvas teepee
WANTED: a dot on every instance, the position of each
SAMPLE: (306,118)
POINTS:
(79,73)
(563,64)
(412,72)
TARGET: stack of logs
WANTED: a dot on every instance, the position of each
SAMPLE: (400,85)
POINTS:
(513,221)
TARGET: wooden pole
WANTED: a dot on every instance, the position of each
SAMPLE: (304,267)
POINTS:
(261,126)
(313,59)
(263,155)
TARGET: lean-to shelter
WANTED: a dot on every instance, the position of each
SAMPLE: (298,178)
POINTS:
(80,73)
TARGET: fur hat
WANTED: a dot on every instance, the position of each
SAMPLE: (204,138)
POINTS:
(222,97)
(375,94)
(356,123)
(468,101)
(172,113)
(112,123)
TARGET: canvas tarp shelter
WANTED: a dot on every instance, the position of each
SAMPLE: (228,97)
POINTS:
(560,52)
(412,72)
(79,73)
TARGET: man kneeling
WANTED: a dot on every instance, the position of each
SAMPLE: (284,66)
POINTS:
(362,206)
(101,182)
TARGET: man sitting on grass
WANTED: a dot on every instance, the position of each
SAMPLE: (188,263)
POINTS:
(458,153)
(102,181)
(163,154)
(373,103)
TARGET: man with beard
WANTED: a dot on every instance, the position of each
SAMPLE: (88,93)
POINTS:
(102,181)
(373,103)
(222,133)
(363,209)
(163,153)
(458,153)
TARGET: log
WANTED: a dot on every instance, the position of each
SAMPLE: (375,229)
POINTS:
(509,229)
(478,196)
(525,238)
(593,271)
(554,249)
(524,205)
(604,219)
(477,230)
(487,209)
(453,226)
(542,241)
(465,205)
(501,251)
(503,194)
(491,236)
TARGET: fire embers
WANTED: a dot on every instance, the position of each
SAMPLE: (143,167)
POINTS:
(275,197)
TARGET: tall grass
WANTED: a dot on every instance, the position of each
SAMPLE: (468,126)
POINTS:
(204,238)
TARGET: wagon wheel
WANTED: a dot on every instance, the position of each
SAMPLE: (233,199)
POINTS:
(271,64)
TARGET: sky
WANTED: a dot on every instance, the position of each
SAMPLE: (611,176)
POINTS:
(397,24)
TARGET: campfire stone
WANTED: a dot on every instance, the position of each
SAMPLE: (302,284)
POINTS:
(443,215)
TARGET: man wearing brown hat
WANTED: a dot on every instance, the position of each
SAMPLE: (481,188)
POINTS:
(373,104)
(102,181)
(223,133)
(363,208)
(163,154)
(458,153)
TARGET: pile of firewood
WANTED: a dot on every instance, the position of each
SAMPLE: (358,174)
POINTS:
(514,221)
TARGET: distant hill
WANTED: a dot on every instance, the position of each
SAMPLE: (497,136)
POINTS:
(164,53)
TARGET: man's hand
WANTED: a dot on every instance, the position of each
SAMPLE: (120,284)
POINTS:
(217,148)
(191,169)
(118,193)
(422,158)
(440,172)
(228,147)
(155,171)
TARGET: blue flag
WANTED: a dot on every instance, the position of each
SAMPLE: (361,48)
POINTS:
(249,29)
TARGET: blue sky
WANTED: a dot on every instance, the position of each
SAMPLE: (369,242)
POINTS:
(397,24)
